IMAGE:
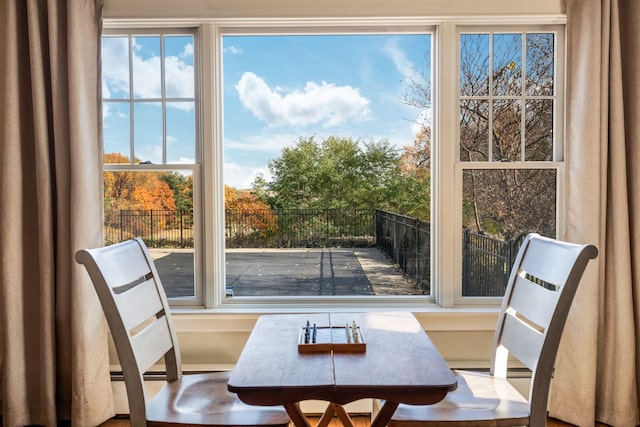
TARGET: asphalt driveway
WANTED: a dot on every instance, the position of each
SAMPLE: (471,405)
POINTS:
(290,272)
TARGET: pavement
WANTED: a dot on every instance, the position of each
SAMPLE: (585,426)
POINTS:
(290,272)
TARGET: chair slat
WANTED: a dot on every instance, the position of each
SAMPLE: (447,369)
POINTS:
(115,272)
(533,301)
(150,344)
(523,341)
(549,262)
(139,304)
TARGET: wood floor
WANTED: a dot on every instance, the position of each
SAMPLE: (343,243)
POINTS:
(359,421)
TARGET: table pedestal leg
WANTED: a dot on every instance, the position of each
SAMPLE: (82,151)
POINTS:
(337,409)
(385,414)
(296,415)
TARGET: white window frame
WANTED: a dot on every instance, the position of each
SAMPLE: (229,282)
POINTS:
(450,291)
(289,303)
(194,169)
(446,167)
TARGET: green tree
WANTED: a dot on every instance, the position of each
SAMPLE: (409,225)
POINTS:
(334,173)
(182,187)
(295,176)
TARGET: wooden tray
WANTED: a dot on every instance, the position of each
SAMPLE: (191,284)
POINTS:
(332,338)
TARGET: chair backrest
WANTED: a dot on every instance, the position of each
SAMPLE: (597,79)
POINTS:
(137,312)
(539,293)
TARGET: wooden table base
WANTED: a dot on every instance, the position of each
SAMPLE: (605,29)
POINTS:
(300,420)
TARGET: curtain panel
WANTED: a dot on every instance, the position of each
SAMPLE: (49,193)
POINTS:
(53,337)
(596,376)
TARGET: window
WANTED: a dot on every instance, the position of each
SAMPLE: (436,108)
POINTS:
(151,167)
(510,149)
(323,132)
(220,139)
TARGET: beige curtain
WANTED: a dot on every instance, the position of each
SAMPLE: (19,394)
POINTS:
(596,377)
(53,337)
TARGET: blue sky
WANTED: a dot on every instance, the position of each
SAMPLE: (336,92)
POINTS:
(276,90)
(280,88)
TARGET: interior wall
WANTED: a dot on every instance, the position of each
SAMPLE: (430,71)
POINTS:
(214,342)
(226,9)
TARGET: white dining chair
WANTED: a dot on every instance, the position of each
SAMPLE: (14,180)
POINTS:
(539,293)
(139,318)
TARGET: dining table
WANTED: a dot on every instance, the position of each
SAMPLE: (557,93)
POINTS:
(340,357)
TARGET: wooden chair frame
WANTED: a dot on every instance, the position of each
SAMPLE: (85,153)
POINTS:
(139,317)
(541,287)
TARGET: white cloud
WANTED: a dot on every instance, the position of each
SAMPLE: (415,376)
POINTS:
(184,161)
(242,176)
(105,110)
(234,50)
(323,103)
(179,80)
(179,75)
(400,60)
(264,143)
(422,121)
(188,51)
(149,153)
(115,68)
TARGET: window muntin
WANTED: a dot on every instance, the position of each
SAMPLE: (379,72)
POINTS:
(151,159)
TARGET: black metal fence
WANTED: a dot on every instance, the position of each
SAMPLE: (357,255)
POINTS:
(296,228)
(158,228)
(486,260)
(279,228)
(407,241)
(487,263)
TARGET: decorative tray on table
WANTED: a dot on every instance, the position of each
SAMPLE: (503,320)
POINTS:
(339,339)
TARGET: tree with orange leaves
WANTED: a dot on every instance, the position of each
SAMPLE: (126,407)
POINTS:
(251,215)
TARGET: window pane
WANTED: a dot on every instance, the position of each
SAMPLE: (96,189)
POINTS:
(474,130)
(116,131)
(157,207)
(147,132)
(507,64)
(143,127)
(317,143)
(181,138)
(499,207)
(474,65)
(539,130)
(506,130)
(115,67)
(540,60)
(146,68)
(178,67)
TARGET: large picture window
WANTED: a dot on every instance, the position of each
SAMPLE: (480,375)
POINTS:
(310,166)
(326,156)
